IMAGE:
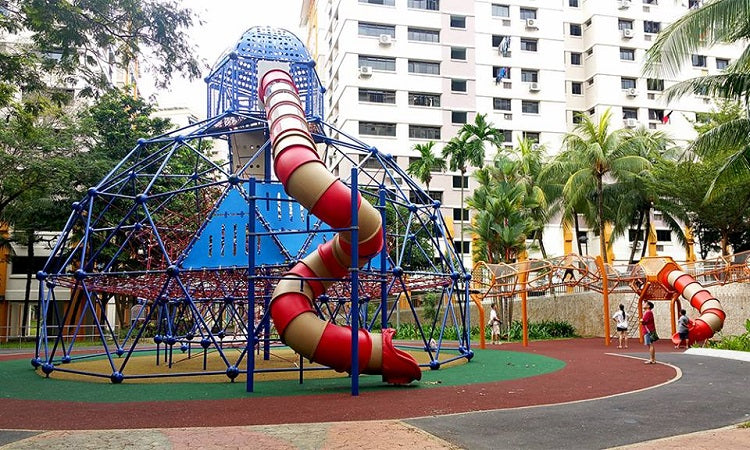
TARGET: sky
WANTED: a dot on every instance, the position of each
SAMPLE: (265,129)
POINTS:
(224,22)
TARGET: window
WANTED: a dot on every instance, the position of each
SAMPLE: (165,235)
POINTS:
(424,132)
(722,63)
(377,96)
(575,59)
(500,10)
(424,99)
(458,21)
(497,39)
(654,84)
(529,45)
(499,73)
(589,51)
(527,13)
(460,214)
(629,113)
(377,63)
(419,197)
(426,67)
(651,27)
(377,128)
(698,60)
(501,104)
(651,2)
(578,116)
(590,81)
(627,83)
(529,107)
(462,247)
(575,29)
(458,53)
(576,88)
(457,182)
(656,114)
(430,5)
(664,235)
(458,85)
(422,35)
(627,54)
(369,162)
(379,2)
(633,233)
(375,29)
(25,264)
(532,136)
(507,135)
(529,76)
(573,3)
(458,117)
(623,24)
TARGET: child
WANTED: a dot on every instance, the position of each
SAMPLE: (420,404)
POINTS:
(621,322)
(495,324)
(682,328)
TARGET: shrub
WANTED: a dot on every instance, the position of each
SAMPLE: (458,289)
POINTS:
(741,342)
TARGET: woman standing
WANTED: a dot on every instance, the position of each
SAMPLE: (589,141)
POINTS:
(621,322)
(648,326)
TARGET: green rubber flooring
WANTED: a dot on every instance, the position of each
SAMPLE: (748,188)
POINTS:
(20,381)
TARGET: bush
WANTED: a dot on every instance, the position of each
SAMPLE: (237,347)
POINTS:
(741,342)
(546,329)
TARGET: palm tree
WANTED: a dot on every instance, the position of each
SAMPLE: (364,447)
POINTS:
(468,149)
(428,162)
(719,21)
(591,153)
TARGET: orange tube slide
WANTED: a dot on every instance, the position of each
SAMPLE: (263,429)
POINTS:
(712,314)
(306,179)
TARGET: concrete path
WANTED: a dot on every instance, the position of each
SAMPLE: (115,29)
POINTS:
(712,393)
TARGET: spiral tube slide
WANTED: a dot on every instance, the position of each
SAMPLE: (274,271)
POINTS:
(712,314)
(306,179)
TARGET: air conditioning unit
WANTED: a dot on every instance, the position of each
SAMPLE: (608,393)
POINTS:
(627,33)
(534,87)
(365,71)
(631,92)
(531,23)
(624,4)
(385,39)
(630,122)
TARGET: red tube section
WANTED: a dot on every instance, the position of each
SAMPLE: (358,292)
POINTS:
(306,179)
(712,315)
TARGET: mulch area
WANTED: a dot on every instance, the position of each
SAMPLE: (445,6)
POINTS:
(590,372)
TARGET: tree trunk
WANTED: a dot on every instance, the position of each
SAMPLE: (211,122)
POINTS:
(539,235)
(29,275)
(578,230)
(637,237)
(600,212)
(647,232)
(461,236)
(724,242)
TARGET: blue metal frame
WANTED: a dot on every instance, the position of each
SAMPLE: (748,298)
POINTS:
(205,244)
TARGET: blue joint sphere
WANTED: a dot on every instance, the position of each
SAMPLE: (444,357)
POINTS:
(120,351)
(158,339)
(170,340)
(116,377)
(47,368)
(205,343)
(183,348)
(434,365)
(36,362)
(232,372)
(65,359)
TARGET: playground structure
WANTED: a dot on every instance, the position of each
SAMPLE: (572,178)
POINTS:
(221,252)
(653,278)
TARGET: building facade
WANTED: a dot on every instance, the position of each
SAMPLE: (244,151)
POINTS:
(404,72)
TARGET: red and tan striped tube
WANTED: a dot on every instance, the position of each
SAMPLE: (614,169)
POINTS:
(712,314)
(306,179)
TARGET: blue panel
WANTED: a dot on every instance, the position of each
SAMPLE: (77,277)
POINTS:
(224,240)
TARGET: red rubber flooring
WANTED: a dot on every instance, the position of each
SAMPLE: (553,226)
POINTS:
(591,371)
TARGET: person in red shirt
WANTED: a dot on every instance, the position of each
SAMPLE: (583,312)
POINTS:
(647,326)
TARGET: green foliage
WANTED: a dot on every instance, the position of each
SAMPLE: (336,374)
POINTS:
(427,163)
(79,41)
(740,342)
(546,329)
(429,306)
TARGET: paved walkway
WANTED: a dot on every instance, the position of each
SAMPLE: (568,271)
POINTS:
(711,394)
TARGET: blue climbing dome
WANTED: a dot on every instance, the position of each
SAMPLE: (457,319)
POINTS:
(233,81)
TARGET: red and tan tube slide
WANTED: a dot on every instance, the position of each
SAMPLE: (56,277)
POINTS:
(306,179)
(712,314)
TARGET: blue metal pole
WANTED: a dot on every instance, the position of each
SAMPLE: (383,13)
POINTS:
(355,283)
(383,261)
(250,325)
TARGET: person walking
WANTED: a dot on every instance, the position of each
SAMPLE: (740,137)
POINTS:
(495,324)
(648,327)
(682,328)
(621,322)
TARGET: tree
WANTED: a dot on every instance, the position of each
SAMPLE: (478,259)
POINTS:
(591,153)
(80,41)
(467,149)
(719,21)
(427,163)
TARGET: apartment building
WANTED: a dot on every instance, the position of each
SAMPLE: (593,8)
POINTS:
(404,72)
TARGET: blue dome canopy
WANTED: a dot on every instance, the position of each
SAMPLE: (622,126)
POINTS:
(233,82)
